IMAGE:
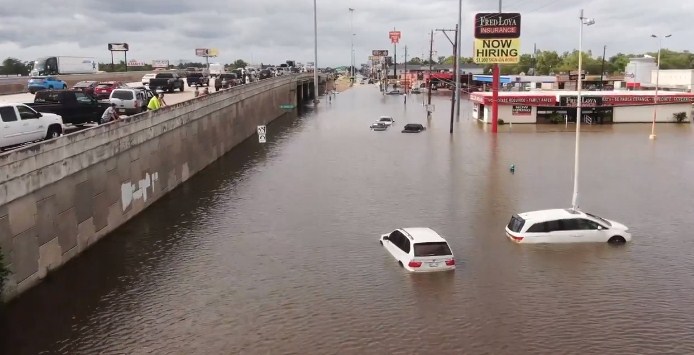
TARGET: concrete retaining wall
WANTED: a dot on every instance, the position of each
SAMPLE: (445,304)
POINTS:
(59,197)
(19,85)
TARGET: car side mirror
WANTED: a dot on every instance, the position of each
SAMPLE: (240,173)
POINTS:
(38,114)
(386,238)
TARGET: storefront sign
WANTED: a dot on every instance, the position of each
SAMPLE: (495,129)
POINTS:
(587,101)
(497,25)
(521,110)
(534,100)
(379,52)
(500,51)
(629,100)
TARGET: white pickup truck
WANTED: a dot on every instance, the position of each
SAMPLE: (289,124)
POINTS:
(20,123)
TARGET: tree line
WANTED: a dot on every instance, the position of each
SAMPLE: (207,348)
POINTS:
(14,66)
(551,62)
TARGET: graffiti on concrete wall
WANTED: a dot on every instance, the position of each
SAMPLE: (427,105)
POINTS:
(131,192)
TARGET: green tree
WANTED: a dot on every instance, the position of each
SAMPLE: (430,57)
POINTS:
(441,59)
(14,66)
(239,63)
(618,62)
(546,62)
(415,61)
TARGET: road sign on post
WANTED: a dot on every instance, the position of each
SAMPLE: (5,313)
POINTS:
(504,51)
(394,36)
(262,134)
(379,52)
(497,25)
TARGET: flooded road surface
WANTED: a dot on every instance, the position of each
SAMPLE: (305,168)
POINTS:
(274,249)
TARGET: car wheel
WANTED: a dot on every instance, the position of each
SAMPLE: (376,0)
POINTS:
(617,239)
(53,132)
(183,87)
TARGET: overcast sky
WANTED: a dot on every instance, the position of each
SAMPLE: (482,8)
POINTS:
(272,31)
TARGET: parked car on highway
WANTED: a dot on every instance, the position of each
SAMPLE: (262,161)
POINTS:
(413,128)
(22,124)
(38,83)
(74,106)
(419,249)
(167,81)
(103,89)
(225,81)
(131,101)
(147,77)
(86,87)
(264,74)
(198,78)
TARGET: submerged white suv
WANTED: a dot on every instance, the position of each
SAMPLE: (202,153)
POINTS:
(419,249)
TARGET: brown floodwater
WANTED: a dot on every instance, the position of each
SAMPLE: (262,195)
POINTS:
(274,248)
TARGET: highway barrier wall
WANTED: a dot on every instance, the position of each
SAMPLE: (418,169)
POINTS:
(59,197)
(18,85)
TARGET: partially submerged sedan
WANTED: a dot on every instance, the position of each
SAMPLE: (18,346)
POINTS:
(419,250)
(378,126)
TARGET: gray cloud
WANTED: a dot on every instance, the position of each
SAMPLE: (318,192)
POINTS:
(272,31)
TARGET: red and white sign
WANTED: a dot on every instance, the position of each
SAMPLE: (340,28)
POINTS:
(631,100)
(522,110)
(394,36)
(531,100)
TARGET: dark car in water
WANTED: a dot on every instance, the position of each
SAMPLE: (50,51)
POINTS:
(413,128)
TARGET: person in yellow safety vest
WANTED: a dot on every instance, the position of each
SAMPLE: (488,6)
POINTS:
(154,103)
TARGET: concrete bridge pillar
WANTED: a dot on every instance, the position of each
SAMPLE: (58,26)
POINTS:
(307,94)
(300,93)
(312,90)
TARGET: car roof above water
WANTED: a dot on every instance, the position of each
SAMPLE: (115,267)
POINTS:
(423,235)
(548,215)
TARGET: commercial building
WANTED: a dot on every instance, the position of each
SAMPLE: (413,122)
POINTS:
(599,107)
(638,71)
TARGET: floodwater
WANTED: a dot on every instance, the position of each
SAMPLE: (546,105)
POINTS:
(274,249)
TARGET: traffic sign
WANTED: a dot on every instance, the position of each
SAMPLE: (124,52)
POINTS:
(497,51)
(262,134)
(379,52)
(497,25)
(394,36)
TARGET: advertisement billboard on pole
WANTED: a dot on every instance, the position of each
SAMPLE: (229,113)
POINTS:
(160,63)
(118,47)
(394,36)
(497,51)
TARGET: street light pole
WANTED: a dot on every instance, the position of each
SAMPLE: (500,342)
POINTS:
(657,82)
(351,52)
(459,38)
(315,54)
(579,104)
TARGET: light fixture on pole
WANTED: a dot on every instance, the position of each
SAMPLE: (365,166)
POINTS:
(657,82)
(315,54)
(579,104)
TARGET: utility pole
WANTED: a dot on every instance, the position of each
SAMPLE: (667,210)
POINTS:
(455,52)
(395,62)
(351,52)
(495,91)
(431,61)
(602,69)
(458,52)
(406,79)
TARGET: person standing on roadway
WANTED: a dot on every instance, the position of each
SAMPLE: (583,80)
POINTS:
(110,114)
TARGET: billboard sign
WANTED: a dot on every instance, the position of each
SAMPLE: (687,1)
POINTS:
(394,36)
(379,52)
(160,63)
(135,63)
(206,52)
(497,51)
(497,25)
(118,47)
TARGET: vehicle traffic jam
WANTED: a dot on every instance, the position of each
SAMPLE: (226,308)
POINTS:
(58,109)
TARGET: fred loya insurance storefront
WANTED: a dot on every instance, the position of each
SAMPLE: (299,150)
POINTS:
(599,107)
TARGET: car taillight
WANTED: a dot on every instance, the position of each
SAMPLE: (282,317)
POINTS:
(516,239)
(450,262)
(414,263)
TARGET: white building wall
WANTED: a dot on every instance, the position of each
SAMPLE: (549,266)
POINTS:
(674,77)
(639,70)
(506,114)
(645,113)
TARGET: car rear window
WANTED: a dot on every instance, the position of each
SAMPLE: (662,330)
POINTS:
(195,75)
(432,249)
(104,85)
(46,96)
(122,94)
(516,223)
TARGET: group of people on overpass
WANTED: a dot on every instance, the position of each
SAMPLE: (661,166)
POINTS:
(111,114)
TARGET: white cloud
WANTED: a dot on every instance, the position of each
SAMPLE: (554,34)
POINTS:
(272,31)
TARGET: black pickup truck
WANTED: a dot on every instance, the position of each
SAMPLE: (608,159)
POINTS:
(198,78)
(167,82)
(75,106)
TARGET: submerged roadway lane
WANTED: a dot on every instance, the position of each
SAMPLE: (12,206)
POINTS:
(274,248)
